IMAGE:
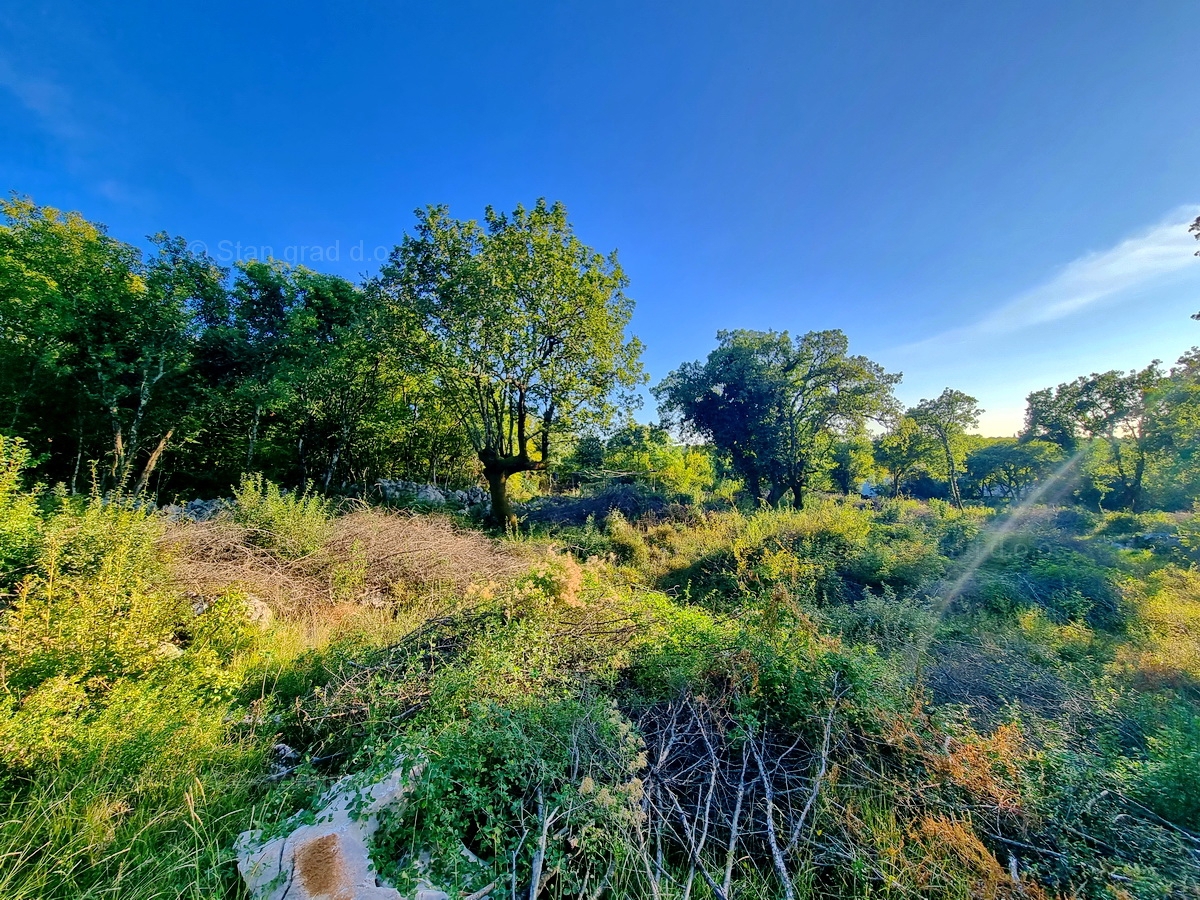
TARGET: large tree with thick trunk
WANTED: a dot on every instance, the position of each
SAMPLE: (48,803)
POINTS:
(522,327)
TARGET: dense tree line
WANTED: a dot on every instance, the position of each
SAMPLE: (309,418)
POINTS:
(484,349)
(477,345)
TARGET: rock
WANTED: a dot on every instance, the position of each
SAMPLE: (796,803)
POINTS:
(258,612)
(167,651)
(194,510)
(199,602)
(283,762)
(329,859)
(431,495)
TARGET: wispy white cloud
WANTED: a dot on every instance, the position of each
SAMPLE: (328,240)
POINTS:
(49,101)
(1089,281)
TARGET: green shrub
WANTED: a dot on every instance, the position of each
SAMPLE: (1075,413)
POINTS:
(502,780)
(20,522)
(1166,779)
(625,539)
(889,622)
(292,525)
(96,608)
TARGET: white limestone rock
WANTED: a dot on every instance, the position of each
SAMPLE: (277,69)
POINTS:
(328,859)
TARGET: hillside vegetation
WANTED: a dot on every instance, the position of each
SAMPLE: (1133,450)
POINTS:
(779,703)
(826,647)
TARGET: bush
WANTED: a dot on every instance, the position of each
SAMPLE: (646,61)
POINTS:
(546,784)
(291,525)
(20,523)
(97,607)
(890,623)
(1165,780)
(125,765)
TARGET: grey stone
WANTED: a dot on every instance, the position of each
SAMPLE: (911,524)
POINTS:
(431,495)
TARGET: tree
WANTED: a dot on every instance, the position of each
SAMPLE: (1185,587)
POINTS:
(946,419)
(902,450)
(97,341)
(650,453)
(525,330)
(1049,416)
(733,400)
(1009,467)
(1114,407)
(830,395)
(853,461)
(776,406)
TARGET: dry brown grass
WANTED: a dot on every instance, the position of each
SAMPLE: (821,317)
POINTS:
(373,557)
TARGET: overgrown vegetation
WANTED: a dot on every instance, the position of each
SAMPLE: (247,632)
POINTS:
(773,703)
(800,660)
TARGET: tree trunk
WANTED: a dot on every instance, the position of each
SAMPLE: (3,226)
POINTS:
(151,463)
(775,494)
(951,470)
(1135,488)
(253,438)
(497,479)
(798,493)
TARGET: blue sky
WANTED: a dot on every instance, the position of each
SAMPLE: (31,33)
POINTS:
(988,196)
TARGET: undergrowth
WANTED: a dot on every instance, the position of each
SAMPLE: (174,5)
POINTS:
(780,703)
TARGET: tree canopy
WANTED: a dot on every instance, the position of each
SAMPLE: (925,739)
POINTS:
(775,405)
(945,420)
(524,330)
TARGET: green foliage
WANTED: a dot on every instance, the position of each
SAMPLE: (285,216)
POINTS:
(945,421)
(1007,468)
(526,330)
(902,451)
(1165,779)
(293,525)
(562,772)
(122,772)
(20,523)
(943,686)
(95,609)
(95,341)
(650,455)
(891,623)
(125,359)
(775,406)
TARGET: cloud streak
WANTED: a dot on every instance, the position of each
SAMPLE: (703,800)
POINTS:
(49,101)
(1089,281)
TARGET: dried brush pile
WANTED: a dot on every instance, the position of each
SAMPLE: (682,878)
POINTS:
(368,557)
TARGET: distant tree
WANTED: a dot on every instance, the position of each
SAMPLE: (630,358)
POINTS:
(585,458)
(733,399)
(903,450)
(1009,467)
(946,419)
(830,396)
(1114,407)
(853,461)
(1173,425)
(776,406)
(1050,416)
(650,454)
(525,331)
